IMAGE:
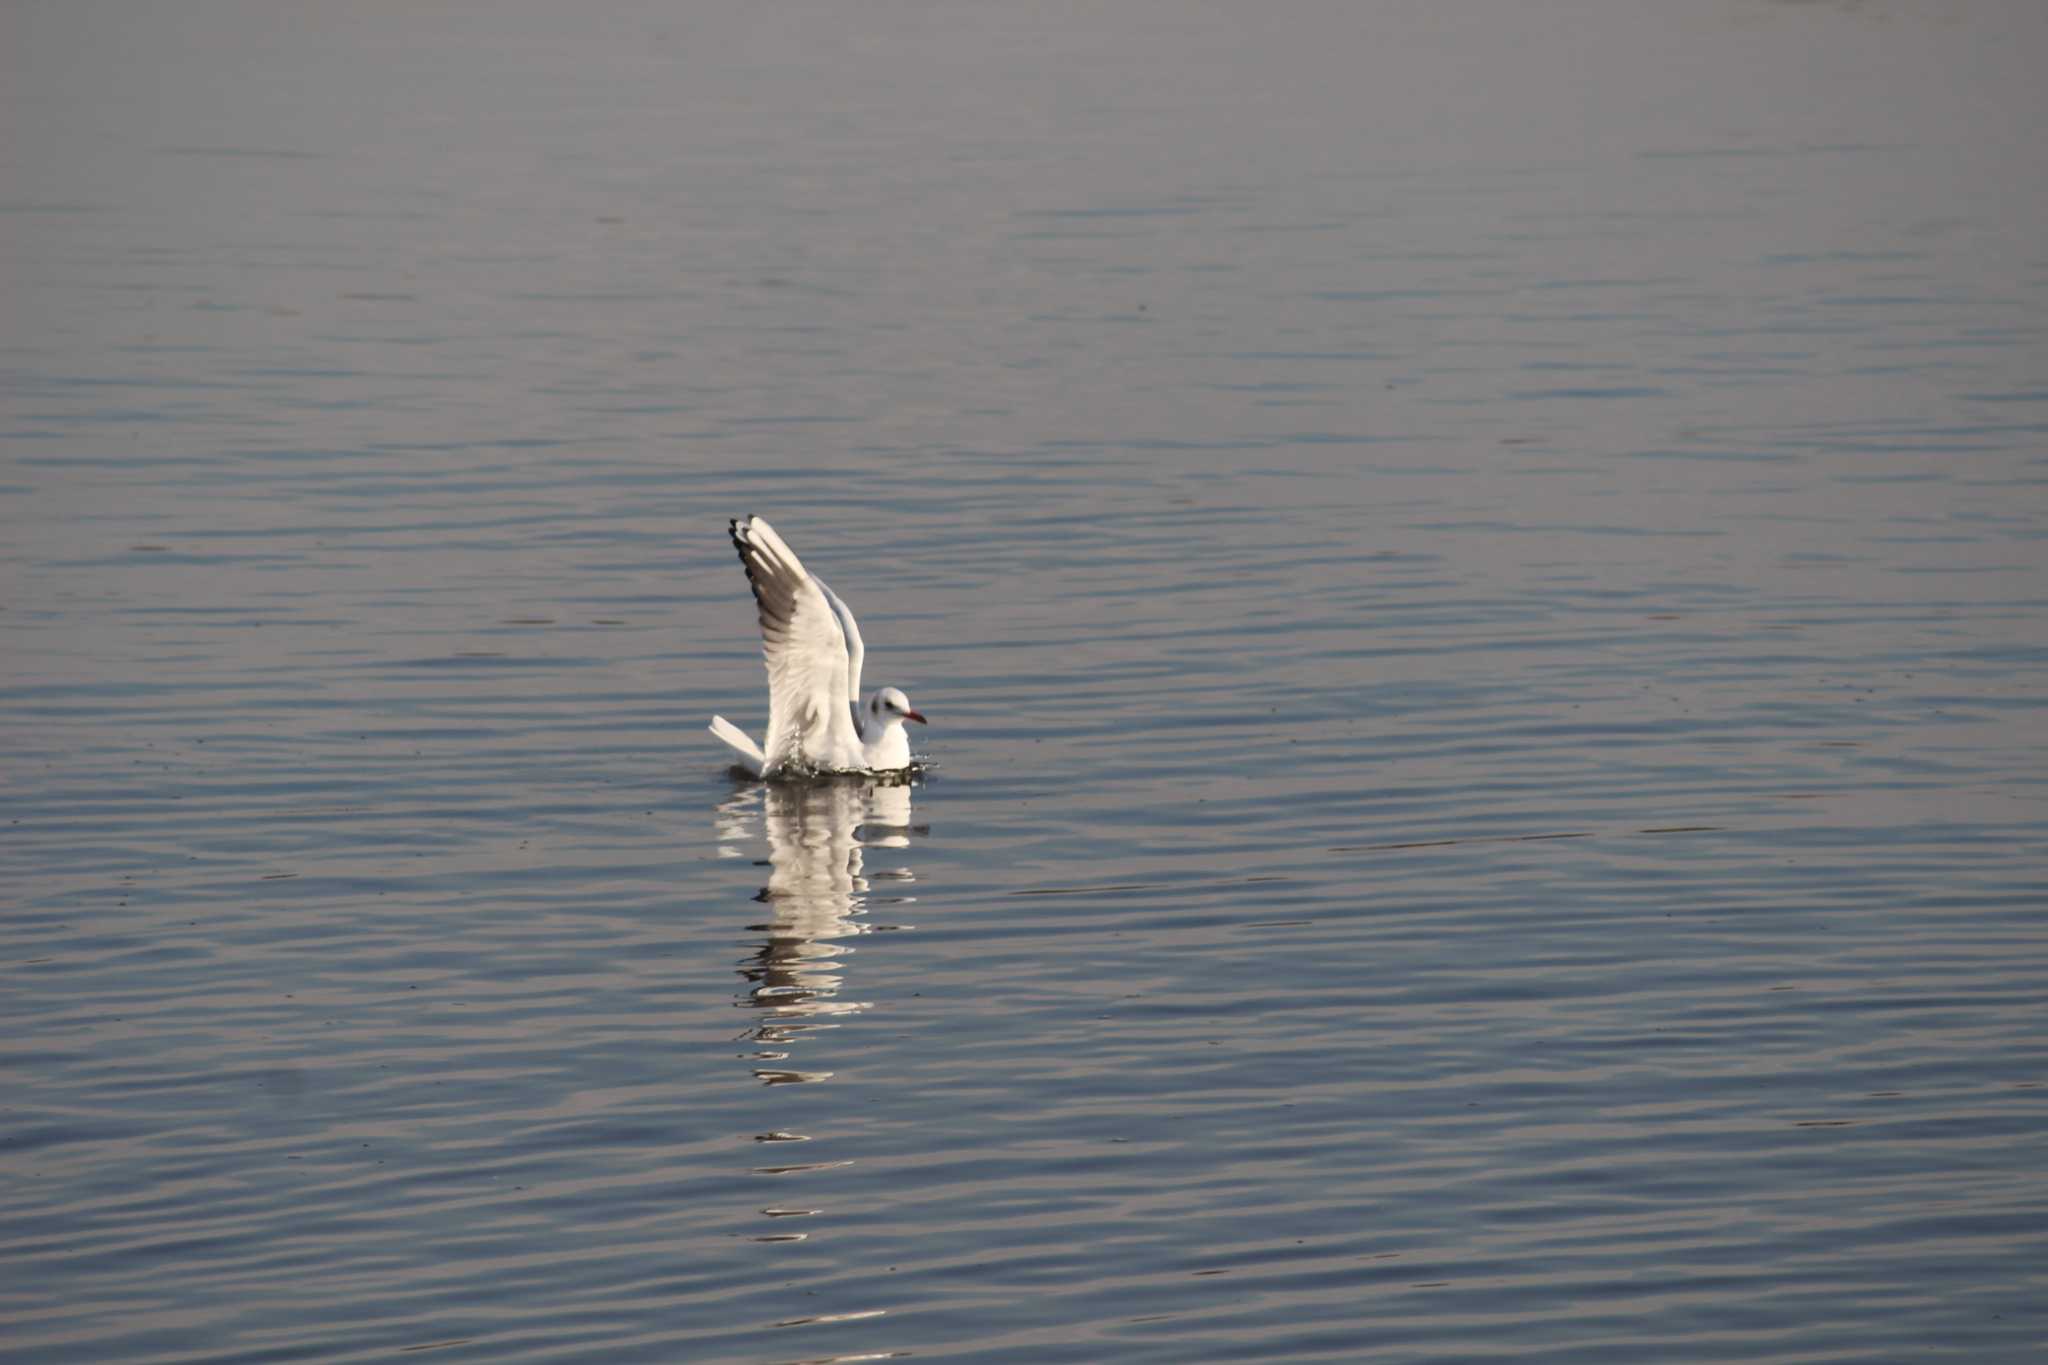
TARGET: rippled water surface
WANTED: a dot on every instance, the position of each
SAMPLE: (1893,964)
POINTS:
(1478,573)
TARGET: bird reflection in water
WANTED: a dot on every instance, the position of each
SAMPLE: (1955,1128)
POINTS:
(821,839)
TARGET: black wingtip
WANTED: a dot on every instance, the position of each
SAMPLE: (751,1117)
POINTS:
(738,528)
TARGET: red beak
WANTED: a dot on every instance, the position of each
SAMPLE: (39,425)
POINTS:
(912,715)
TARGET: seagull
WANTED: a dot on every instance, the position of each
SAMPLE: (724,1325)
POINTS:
(817,721)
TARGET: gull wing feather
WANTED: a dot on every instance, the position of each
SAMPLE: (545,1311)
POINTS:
(749,753)
(856,650)
(804,647)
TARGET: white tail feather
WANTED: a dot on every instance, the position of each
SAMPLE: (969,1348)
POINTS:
(751,757)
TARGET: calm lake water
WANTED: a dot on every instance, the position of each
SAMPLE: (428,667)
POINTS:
(1478,572)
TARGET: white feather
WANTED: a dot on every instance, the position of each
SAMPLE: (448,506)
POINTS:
(751,757)
(856,650)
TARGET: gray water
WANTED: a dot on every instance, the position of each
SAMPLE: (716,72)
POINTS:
(1477,571)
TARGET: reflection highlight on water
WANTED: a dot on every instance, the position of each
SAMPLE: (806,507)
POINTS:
(820,836)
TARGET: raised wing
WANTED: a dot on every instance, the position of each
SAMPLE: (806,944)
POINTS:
(809,722)
(856,651)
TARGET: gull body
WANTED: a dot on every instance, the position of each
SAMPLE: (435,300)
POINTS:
(817,719)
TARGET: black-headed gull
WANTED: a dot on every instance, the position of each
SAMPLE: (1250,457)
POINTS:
(817,721)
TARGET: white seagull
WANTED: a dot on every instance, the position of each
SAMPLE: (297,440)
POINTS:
(817,721)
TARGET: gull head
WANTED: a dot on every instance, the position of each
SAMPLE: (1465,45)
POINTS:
(889,705)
